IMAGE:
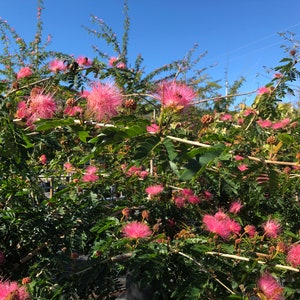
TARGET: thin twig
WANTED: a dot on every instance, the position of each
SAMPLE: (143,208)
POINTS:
(27,86)
(220,97)
(283,267)
(204,270)
(188,141)
(267,161)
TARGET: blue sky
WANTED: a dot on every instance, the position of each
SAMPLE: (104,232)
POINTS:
(240,36)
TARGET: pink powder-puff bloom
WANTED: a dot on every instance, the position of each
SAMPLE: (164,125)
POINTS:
(213,225)
(281,124)
(73,110)
(269,287)
(243,167)
(221,216)
(293,124)
(121,65)
(293,256)
(278,75)
(22,110)
(235,207)
(91,170)
(90,174)
(174,95)
(68,167)
(112,61)
(12,290)
(248,112)
(186,192)
(233,226)
(84,94)
(84,61)
(271,228)
(43,159)
(154,190)
(179,201)
(208,195)
(136,230)
(240,121)
(24,72)
(153,128)
(134,170)
(239,157)
(193,199)
(57,65)
(226,117)
(143,174)
(41,106)
(104,100)
(264,123)
(250,230)
(186,195)
(263,90)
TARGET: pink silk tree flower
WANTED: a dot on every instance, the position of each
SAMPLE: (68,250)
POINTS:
(213,225)
(43,159)
(68,167)
(269,287)
(90,174)
(281,124)
(208,195)
(193,199)
(248,112)
(136,230)
(57,65)
(226,117)
(24,72)
(239,157)
(84,61)
(233,226)
(220,215)
(174,95)
(263,90)
(22,110)
(243,167)
(271,228)
(264,123)
(112,61)
(235,207)
(154,190)
(153,128)
(12,290)
(293,256)
(42,106)
(121,65)
(179,201)
(250,230)
(104,100)
(73,110)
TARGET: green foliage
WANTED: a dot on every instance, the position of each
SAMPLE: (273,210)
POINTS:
(70,183)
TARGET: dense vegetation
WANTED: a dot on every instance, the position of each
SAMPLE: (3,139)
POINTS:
(113,179)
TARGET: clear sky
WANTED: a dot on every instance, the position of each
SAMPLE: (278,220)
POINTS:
(240,36)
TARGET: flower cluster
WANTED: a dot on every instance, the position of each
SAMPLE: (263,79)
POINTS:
(38,106)
(184,196)
(90,174)
(221,224)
